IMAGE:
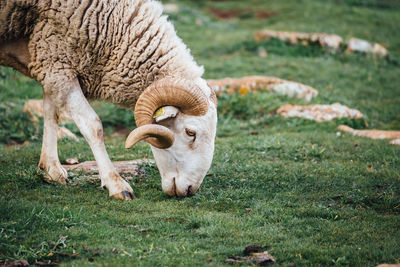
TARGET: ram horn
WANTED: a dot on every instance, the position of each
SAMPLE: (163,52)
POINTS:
(180,93)
(157,135)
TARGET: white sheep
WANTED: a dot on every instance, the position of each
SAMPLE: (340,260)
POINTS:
(120,51)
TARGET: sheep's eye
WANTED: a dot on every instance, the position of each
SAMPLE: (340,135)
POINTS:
(190,132)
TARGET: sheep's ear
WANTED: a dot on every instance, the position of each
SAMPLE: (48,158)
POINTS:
(164,113)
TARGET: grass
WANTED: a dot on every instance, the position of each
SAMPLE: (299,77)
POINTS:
(313,197)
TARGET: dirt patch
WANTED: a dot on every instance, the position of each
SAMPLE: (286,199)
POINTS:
(265,14)
(228,14)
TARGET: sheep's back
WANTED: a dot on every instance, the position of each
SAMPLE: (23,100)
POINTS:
(17,18)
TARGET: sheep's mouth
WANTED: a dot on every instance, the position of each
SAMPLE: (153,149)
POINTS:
(188,192)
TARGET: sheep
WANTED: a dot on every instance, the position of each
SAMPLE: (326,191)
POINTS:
(124,52)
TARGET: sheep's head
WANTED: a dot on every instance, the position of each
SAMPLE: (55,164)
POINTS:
(179,120)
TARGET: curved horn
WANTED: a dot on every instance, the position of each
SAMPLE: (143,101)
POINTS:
(180,93)
(157,135)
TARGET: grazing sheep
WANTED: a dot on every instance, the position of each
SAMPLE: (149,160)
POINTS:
(124,52)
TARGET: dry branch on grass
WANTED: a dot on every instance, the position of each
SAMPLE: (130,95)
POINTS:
(373,134)
(128,166)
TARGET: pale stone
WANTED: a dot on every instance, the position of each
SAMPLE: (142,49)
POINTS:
(331,41)
(319,113)
(360,45)
(262,83)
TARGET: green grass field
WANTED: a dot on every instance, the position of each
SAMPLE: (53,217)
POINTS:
(314,198)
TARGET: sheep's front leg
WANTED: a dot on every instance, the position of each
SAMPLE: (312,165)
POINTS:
(71,99)
(49,161)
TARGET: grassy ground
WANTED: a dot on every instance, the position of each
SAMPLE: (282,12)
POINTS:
(313,197)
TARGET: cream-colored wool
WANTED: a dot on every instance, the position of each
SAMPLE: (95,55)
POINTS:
(116,48)
(112,50)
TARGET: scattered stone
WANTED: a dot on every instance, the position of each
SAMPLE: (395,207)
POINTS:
(395,142)
(262,83)
(128,166)
(319,113)
(373,134)
(17,263)
(360,45)
(72,161)
(262,52)
(329,41)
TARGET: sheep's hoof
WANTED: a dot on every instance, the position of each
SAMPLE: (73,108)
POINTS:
(55,173)
(125,195)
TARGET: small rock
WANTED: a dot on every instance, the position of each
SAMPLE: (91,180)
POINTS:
(72,161)
(330,41)
(364,46)
(395,142)
(262,53)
